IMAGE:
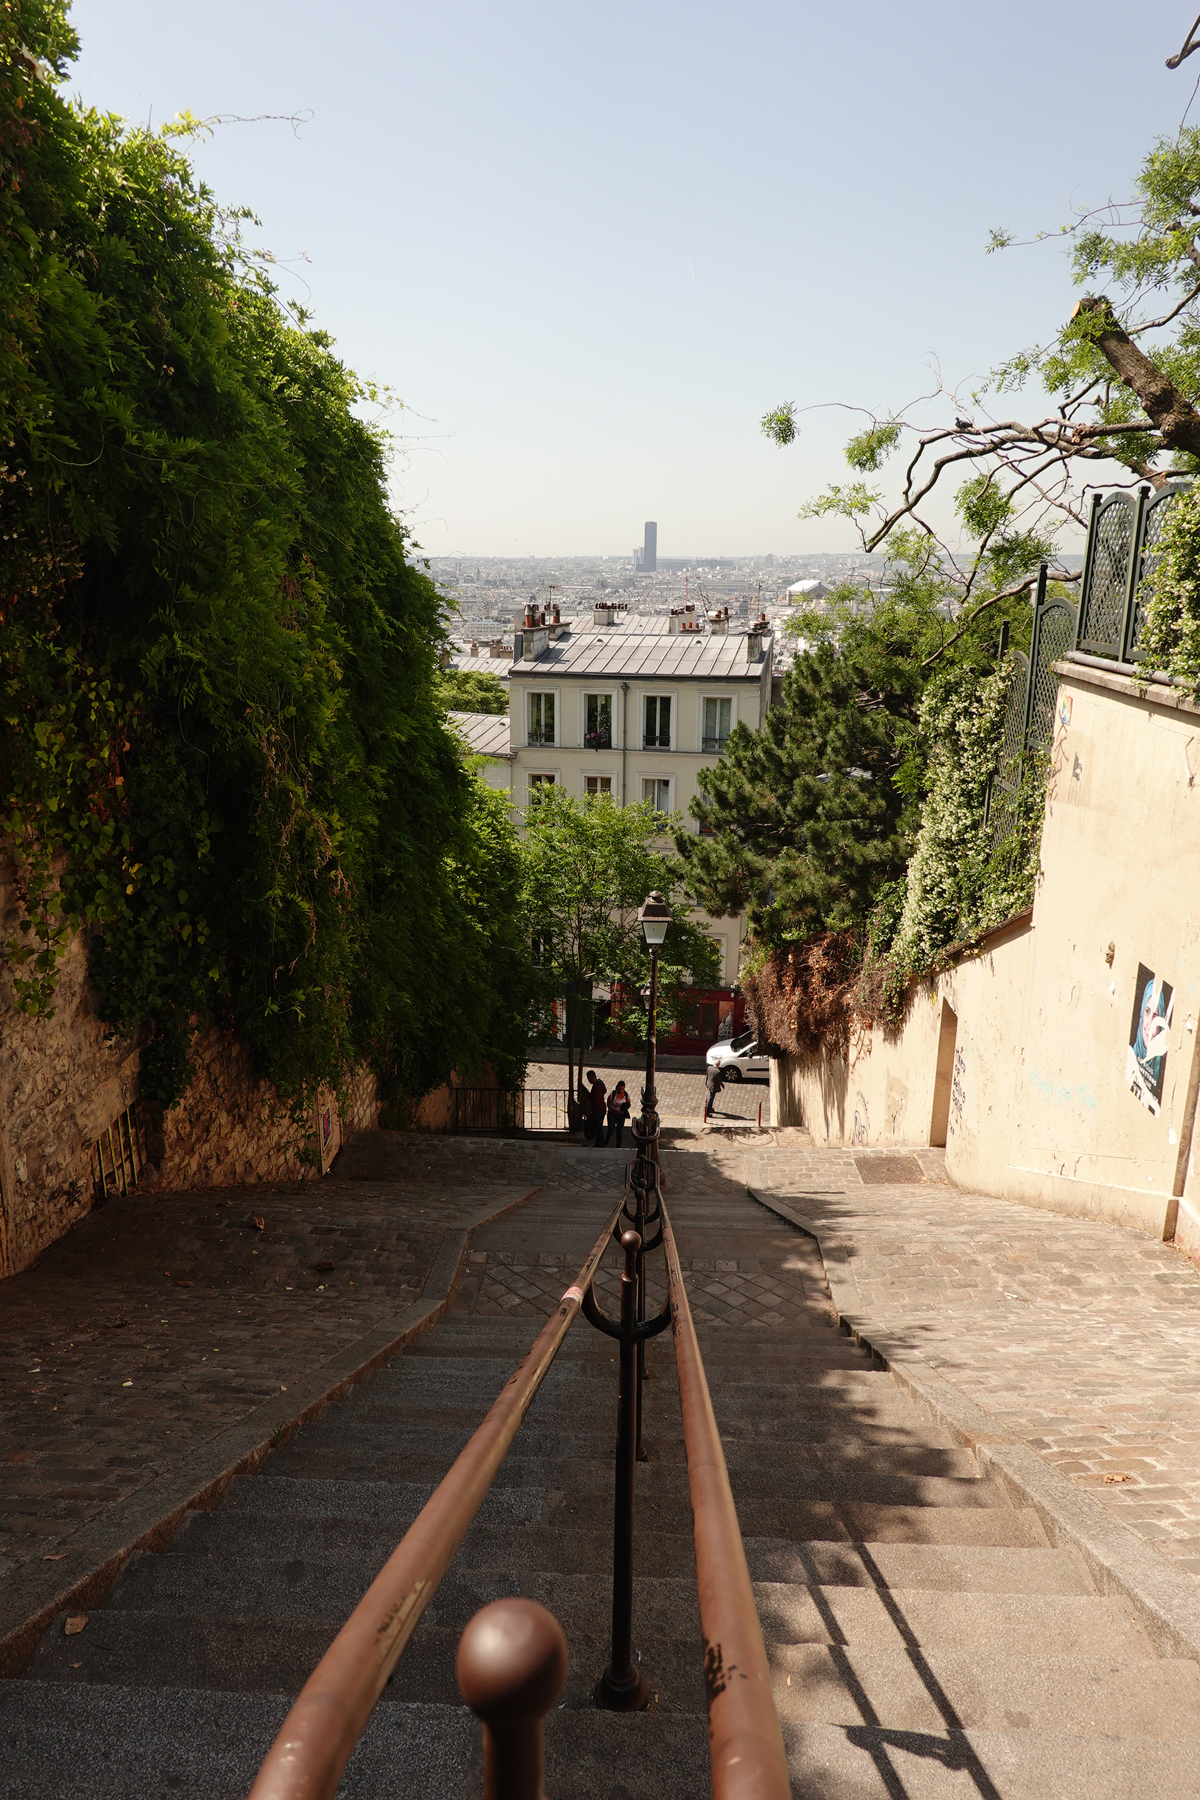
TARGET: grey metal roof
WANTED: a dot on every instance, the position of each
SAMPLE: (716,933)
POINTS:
(498,666)
(484,734)
(638,655)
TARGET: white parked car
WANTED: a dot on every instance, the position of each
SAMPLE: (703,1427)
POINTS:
(739,1056)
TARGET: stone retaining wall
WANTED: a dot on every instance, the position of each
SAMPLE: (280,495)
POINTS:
(65,1079)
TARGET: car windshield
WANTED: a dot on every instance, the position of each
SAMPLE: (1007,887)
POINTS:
(744,1042)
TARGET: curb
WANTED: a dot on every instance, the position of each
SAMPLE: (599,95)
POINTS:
(148,1519)
(1117,1559)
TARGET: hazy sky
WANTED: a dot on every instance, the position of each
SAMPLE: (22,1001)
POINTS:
(590,246)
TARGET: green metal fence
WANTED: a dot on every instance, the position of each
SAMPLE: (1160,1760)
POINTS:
(1124,531)
(1029,719)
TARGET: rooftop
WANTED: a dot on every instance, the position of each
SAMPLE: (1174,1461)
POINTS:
(484,734)
(608,652)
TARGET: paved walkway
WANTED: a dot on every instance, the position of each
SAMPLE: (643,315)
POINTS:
(1083,1339)
(160,1320)
(680,1095)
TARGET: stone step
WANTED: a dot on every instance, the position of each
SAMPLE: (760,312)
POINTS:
(1011,1624)
(951,1568)
(855,1522)
(862,1762)
(938,1688)
(328,1584)
(129,1649)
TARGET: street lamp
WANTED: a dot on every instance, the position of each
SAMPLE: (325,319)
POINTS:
(654,918)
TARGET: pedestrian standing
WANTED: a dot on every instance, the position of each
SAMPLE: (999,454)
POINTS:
(714,1081)
(618,1112)
(597,1134)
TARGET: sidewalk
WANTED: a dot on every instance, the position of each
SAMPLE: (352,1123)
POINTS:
(1081,1340)
(680,1092)
(161,1320)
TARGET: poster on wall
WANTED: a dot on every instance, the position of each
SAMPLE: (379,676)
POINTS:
(1150,1027)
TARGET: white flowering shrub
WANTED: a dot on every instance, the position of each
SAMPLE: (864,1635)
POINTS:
(1170,637)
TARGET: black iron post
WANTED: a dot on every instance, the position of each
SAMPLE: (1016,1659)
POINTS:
(621,1688)
(649,1096)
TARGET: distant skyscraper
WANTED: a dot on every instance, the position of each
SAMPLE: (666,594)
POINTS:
(650,548)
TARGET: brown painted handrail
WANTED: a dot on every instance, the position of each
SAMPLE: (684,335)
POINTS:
(745,1741)
(307,1758)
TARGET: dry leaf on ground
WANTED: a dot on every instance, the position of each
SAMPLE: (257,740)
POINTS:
(75,1624)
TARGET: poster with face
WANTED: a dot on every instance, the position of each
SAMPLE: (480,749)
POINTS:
(1150,1027)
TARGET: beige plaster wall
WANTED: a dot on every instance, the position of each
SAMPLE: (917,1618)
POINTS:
(1041,1107)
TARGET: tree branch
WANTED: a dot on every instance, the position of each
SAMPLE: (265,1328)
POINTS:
(1173,415)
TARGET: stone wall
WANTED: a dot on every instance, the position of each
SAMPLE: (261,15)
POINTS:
(65,1079)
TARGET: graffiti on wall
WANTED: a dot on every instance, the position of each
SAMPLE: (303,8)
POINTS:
(1149,1030)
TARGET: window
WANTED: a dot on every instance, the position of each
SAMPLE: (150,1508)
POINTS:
(597,784)
(657,735)
(537,783)
(597,721)
(717,715)
(658,792)
(541,718)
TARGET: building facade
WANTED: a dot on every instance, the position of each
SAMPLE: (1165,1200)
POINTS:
(634,713)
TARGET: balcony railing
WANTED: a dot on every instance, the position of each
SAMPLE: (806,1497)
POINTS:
(656,740)
(717,743)
(542,737)
(597,740)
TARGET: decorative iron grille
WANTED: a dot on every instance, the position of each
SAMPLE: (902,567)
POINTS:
(1155,516)
(1111,533)
(1122,553)
(1006,782)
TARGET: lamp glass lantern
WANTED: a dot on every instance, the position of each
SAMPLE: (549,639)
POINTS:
(654,918)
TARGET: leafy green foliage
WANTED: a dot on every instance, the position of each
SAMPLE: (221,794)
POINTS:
(224,749)
(1171,624)
(470,690)
(589,865)
(780,425)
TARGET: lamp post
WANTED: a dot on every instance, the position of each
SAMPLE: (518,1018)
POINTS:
(654,918)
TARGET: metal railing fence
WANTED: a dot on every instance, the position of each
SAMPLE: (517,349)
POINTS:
(509,1109)
(1124,531)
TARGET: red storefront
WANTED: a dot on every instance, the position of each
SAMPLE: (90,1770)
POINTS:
(699,1015)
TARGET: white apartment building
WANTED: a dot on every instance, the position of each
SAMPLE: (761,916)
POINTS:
(611,708)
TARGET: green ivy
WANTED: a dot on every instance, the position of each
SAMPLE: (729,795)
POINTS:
(224,750)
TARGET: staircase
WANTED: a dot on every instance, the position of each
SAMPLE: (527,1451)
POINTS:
(926,1640)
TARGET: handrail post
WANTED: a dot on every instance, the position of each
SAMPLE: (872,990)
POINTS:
(621,1688)
(511,1666)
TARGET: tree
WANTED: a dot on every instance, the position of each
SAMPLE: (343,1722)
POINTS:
(589,865)
(470,690)
(1123,372)
(805,820)
(223,752)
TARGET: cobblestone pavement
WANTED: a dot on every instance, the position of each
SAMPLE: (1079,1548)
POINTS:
(1082,1338)
(680,1096)
(161,1319)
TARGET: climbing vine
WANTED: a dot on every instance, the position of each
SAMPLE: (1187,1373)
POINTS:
(1171,624)
(223,750)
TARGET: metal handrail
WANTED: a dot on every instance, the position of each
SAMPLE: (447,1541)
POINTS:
(307,1758)
(745,1740)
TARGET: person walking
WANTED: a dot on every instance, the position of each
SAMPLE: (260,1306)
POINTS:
(618,1112)
(714,1081)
